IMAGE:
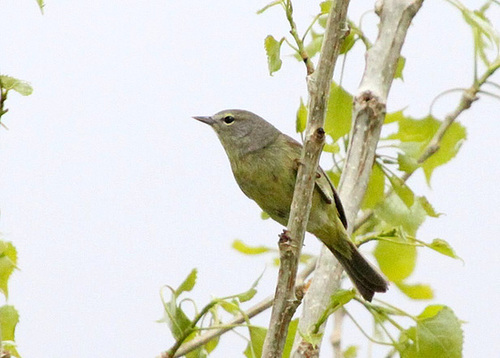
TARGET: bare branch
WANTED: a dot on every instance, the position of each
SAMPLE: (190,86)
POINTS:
(368,116)
(285,302)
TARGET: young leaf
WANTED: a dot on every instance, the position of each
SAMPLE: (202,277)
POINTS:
(417,291)
(396,260)
(337,300)
(407,163)
(399,68)
(188,283)
(8,261)
(301,121)
(350,352)
(395,213)
(402,190)
(443,247)
(264,215)
(11,83)
(273,53)
(292,329)
(438,333)
(257,336)
(41,4)
(325,6)
(249,250)
(339,112)
(9,318)
(429,209)
(375,190)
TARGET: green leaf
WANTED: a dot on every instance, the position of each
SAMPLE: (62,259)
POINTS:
(402,190)
(9,318)
(421,131)
(11,83)
(395,213)
(337,300)
(177,321)
(313,47)
(247,295)
(331,148)
(41,5)
(393,117)
(429,209)
(339,112)
(347,43)
(271,4)
(301,121)
(254,347)
(375,190)
(290,337)
(438,333)
(273,47)
(230,307)
(443,247)
(407,164)
(325,6)
(350,352)
(417,291)
(399,68)
(8,262)
(188,283)
(396,260)
(450,145)
(334,176)
(249,250)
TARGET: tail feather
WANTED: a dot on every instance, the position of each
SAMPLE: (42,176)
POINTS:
(364,276)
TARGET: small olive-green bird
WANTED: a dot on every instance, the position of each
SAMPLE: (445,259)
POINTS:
(264,163)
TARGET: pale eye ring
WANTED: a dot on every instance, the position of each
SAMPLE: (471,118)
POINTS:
(228,119)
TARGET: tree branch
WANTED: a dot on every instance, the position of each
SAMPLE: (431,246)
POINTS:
(240,318)
(469,96)
(285,301)
(368,116)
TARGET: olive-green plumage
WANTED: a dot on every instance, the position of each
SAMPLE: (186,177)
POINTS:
(264,163)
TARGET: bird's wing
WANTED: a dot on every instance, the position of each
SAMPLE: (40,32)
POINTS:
(323,184)
(326,189)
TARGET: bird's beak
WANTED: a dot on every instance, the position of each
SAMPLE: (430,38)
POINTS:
(207,120)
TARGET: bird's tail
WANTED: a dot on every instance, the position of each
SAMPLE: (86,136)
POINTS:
(364,276)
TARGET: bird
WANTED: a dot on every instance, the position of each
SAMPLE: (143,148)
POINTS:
(264,162)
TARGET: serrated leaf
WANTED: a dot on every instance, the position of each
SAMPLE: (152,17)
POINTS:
(402,190)
(240,246)
(300,124)
(339,112)
(438,333)
(11,83)
(9,318)
(395,214)
(273,48)
(400,67)
(375,190)
(396,260)
(188,283)
(271,4)
(429,209)
(8,262)
(417,291)
(421,131)
(254,347)
(443,247)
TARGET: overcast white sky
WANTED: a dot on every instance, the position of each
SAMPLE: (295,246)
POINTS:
(109,189)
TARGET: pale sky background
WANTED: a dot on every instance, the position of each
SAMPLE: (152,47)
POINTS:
(110,190)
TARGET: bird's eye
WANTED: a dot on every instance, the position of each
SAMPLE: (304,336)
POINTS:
(228,119)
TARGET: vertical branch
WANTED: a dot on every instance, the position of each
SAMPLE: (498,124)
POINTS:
(368,116)
(285,301)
